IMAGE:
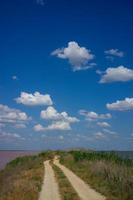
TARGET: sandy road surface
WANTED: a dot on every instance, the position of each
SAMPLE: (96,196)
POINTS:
(83,190)
(50,187)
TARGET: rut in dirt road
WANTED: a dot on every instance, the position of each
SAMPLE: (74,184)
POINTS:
(50,189)
(84,191)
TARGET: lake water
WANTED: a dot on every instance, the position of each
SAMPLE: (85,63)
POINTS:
(7,156)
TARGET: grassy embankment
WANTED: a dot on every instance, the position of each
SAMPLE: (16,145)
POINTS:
(106,172)
(22,178)
(67,192)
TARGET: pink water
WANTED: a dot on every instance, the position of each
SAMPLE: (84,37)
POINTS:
(7,156)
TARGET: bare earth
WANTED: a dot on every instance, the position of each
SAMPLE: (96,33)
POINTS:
(50,189)
(84,191)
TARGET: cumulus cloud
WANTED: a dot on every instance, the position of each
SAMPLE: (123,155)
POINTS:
(116,74)
(57,125)
(121,105)
(77,56)
(38,127)
(114,52)
(34,99)
(52,114)
(103,124)
(11,115)
(60,121)
(93,116)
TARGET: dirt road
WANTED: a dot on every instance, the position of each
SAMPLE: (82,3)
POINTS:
(50,189)
(83,190)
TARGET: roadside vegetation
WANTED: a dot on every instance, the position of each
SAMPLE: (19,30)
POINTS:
(66,190)
(105,172)
(22,178)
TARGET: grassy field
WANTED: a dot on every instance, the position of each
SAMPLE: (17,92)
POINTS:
(105,172)
(66,190)
(22,178)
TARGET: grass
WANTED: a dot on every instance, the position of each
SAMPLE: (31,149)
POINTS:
(106,172)
(66,190)
(22,178)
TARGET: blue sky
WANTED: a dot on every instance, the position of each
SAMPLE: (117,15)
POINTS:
(66,74)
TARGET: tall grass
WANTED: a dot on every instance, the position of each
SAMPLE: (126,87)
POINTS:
(106,172)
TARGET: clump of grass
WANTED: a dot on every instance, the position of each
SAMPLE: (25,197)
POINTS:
(22,178)
(66,190)
(106,172)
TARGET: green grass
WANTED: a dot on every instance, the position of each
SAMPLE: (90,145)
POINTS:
(22,178)
(66,190)
(106,172)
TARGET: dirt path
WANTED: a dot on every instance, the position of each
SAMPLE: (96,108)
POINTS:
(83,190)
(50,187)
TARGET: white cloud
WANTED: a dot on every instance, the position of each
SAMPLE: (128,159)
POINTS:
(11,115)
(14,77)
(114,52)
(60,121)
(93,116)
(38,127)
(51,114)
(113,133)
(10,136)
(103,124)
(34,99)
(99,135)
(77,56)
(116,74)
(40,2)
(58,125)
(121,105)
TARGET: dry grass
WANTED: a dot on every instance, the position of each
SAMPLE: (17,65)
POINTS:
(66,190)
(22,178)
(112,179)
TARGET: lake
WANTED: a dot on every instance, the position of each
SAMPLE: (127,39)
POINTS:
(7,156)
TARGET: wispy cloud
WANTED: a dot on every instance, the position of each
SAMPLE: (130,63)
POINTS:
(40,2)
(93,116)
(14,77)
(114,52)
